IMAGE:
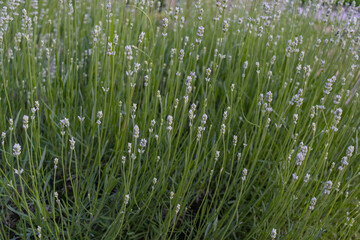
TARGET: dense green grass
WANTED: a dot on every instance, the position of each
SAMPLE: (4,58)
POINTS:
(215,120)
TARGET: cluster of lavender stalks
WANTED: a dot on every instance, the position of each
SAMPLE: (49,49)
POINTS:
(209,119)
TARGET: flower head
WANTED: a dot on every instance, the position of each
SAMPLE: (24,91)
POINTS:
(136,131)
(126,199)
(72,143)
(16,150)
(273,233)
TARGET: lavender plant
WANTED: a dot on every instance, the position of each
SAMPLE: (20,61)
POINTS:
(209,119)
